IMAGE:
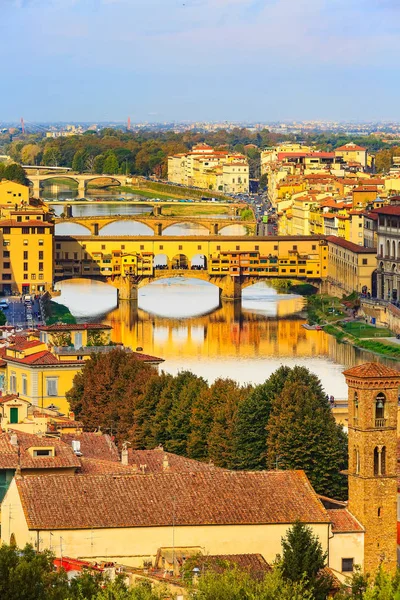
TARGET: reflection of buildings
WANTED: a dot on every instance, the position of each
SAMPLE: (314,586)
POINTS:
(228,331)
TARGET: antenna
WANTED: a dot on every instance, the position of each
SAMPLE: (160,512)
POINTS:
(129,124)
(22,125)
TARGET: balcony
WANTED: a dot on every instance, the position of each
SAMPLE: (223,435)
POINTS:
(380,423)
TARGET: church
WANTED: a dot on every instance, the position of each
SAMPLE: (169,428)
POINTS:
(128,509)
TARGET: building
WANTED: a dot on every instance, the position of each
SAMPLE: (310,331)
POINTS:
(388,254)
(373,406)
(350,266)
(27,241)
(210,169)
(12,194)
(352,153)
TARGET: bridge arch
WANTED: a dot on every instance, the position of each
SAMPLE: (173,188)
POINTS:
(180,261)
(198,262)
(160,261)
(71,228)
(125,226)
(186,228)
(235,229)
(117,180)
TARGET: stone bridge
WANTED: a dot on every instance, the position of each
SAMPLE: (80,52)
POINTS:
(81,180)
(158,223)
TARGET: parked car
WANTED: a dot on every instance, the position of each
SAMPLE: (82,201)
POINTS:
(4,304)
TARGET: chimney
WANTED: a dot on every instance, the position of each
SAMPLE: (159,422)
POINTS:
(124,454)
(165,463)
(71,415)
(14,440)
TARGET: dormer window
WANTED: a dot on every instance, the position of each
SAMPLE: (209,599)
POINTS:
(43,452)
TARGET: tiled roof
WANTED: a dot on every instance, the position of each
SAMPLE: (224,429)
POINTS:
(350,245)
(24,344)
(147,358)
(30,223)
(39,358)
(371,370)
(94,466)
(343,521)
(155,461)
(64,456)
(350,147)
(388,210)
(94,445)
(77,327)
(213,498)
(9,397)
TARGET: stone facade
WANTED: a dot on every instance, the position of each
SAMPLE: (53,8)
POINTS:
(373,398)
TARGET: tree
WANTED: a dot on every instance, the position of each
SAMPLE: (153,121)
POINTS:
(304,560)
(3,318)
(383,161)
(263,183)
(302,434)
(110,166)
(79,161)
(15,173)
(52,156)
(28,575)
(109,389)
(98,164)
(29,154)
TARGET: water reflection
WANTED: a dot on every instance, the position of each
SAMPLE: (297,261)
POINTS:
(184,322)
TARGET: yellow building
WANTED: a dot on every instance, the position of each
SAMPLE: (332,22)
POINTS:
(352,153)
(301,215)
(27,241)
(12,194)
(350,266)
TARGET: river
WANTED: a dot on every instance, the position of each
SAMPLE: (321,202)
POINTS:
(182,321)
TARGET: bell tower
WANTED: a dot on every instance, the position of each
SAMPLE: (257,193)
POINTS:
(373,400)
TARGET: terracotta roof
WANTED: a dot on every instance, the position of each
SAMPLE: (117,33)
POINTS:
(94,445)
(64,456)
(94,466)
(371,370)
(388,210)
(155,459)
(350,245)
(39,358)
(77,327)
(343,521)
(214,498)
(365,188)
(147,357)
(350,147)
(9,397)
(22,343)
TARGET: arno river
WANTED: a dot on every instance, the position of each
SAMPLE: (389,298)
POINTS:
(182,321)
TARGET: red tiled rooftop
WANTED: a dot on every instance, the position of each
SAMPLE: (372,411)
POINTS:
(350,147)
(155,459)
(64,455)
(372,370)
(39,358)
(21,344)
(210,498)
(343,521)
(388,210)
(94,445)
(350,245)
(31,223)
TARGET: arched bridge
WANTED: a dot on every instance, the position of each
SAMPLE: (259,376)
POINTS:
(157,223)
(81,180)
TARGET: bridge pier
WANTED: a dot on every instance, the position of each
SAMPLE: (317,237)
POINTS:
(215,228)
(68,211)
(36,189)
(159,228)
(157,211)
(127,290)
(231,288)
(81,188)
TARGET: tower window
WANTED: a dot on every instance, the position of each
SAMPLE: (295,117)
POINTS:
(355,408)
(379,511)
(379,461)
(380,401)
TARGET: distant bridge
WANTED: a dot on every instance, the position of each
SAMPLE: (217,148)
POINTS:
(81,180)
(158,223)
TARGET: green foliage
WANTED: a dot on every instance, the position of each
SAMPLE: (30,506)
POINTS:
(79,161)
(3,318)
(110,166)
(302,434)
(263,183)
(15,173)
(58,313)
(303,560)
(234,584)
(96,338)
(246,214)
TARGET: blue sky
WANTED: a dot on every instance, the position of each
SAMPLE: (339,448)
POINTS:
(161,60)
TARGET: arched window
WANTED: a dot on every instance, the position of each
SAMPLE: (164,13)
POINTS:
(356,461)
(383,461)
(380,402)
(376,461)
(394,249)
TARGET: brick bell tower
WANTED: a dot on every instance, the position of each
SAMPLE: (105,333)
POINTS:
(373,400)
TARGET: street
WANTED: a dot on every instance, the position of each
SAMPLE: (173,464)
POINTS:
(17,316)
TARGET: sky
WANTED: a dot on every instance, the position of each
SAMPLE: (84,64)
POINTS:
(199,60)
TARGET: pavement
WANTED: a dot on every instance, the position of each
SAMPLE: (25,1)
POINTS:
(19,316)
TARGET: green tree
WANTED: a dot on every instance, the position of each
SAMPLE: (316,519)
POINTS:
(3,318)
(52,156)
(79,161)
(383,161)
(28,575)
(15,173)
(302,434)
(304,560)
(30,153)
(263,183)
(110,166)
(98,164)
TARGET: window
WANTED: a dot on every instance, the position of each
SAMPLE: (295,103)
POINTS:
(58,246)
(25,276)
(24,385)
(39,230)
(237,247)
(364,261)
(380,410)
(161,247)
(6,265)
(275,247)
(40,266)
(347,565)
(218,247)
(6,254)
(256,247)
(25,254)
(179,247)
(103,247)
(6,242)
(6,229)
(19,219)
(122,247)
(40,275)
(379,461)
(25,230)
(75,256)
(33,276)
(52,386)
(25,266)
(43,452)
(313,247)
(25,242)
(198,247)
(41,243)
(13,382)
